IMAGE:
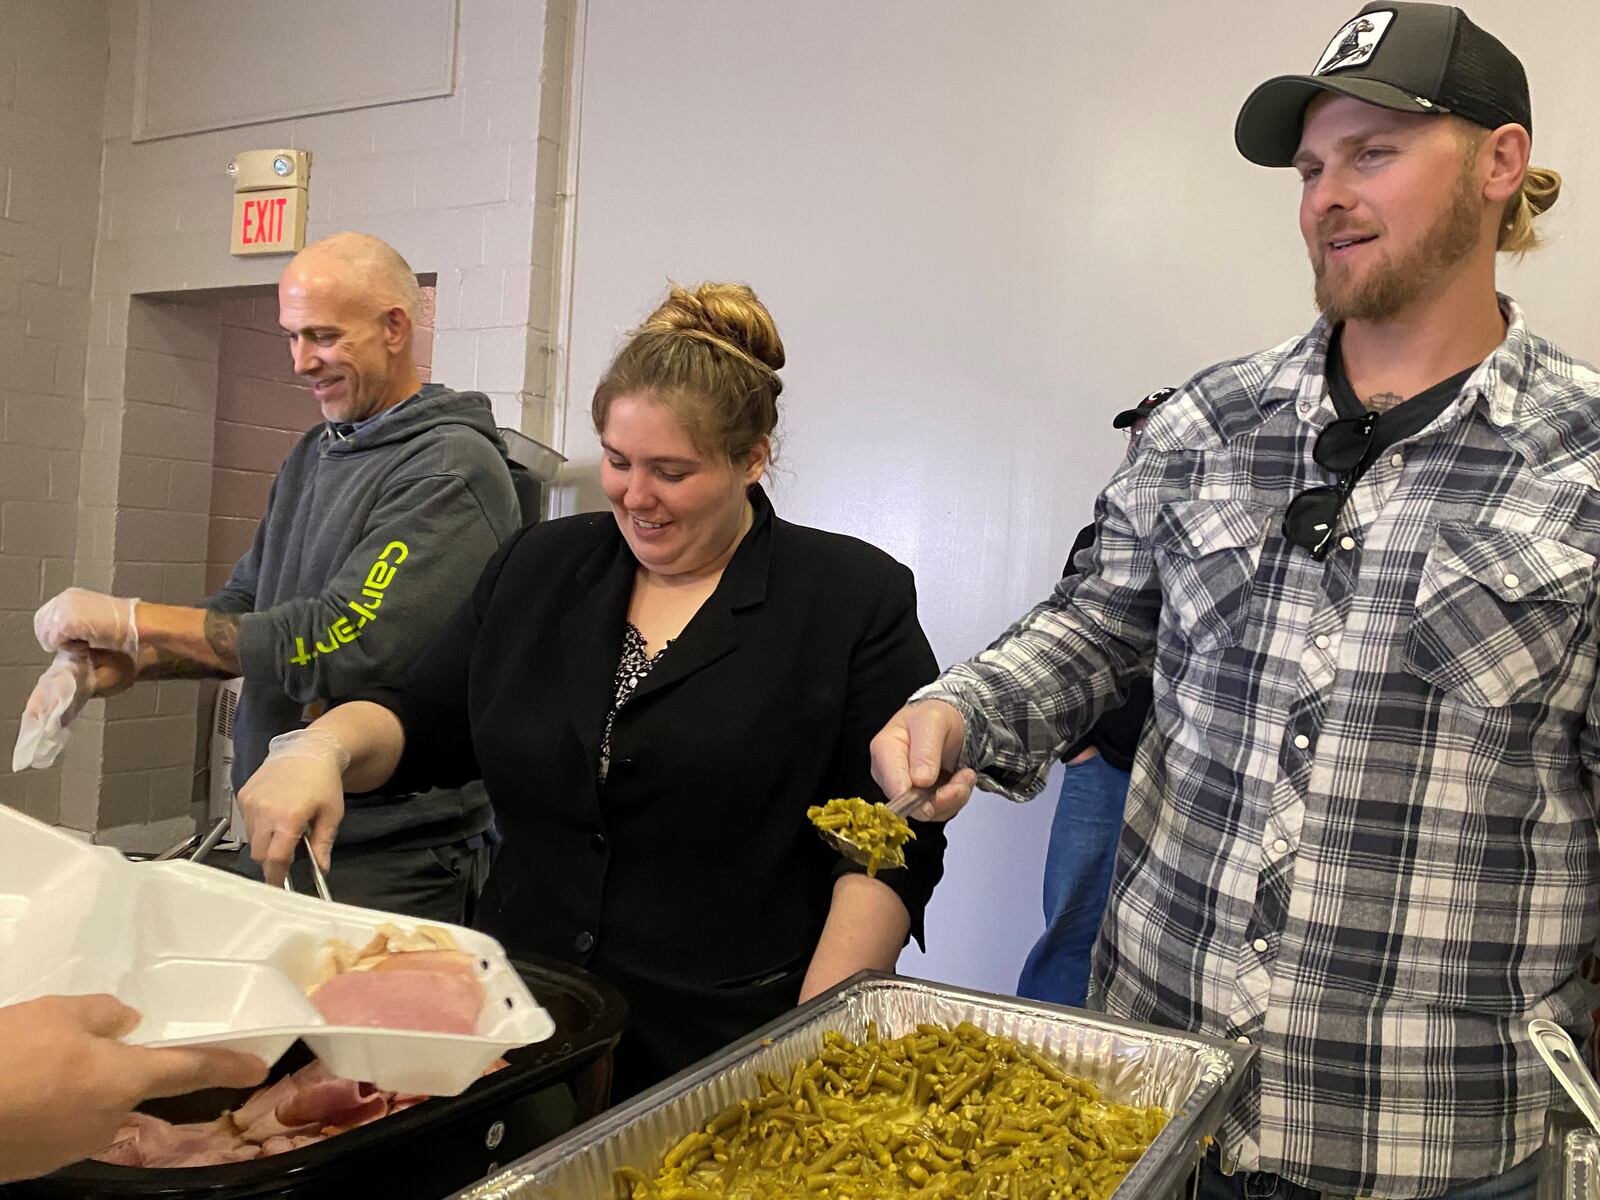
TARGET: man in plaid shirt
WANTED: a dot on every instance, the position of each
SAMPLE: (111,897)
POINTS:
(1361,831)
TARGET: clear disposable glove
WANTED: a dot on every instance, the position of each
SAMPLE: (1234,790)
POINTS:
(297,792)
(58,697)
(78,618)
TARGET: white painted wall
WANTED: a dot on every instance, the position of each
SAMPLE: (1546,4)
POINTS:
(212,64)
(453,182)
(983,228)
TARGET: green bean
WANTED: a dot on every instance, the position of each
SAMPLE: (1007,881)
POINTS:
(880,834)
(809,1089)
(938,1114)
(686,1147)
(868,1078)
(962,1086)
(825,1163)
(728,1117)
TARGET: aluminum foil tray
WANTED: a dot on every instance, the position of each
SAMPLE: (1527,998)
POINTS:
(1581,1166)
(1195,1078)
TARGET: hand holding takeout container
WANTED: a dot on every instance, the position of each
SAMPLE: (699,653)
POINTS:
(211,958)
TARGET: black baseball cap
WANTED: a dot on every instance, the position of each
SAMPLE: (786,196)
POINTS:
(1142,409)
(1421,58)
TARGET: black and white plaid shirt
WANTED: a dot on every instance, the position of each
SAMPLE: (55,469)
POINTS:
(1362,827)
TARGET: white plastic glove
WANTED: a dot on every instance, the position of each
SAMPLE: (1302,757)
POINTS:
(78,617)
(298,790)
(57,698)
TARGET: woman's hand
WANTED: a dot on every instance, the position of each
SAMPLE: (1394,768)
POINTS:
(298,791)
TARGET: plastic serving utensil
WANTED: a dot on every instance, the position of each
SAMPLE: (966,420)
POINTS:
(1566,1064)
(899,806)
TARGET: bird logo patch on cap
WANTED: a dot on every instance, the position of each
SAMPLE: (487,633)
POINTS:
(1355,43)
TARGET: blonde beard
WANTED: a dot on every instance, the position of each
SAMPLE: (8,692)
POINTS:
(1394,284)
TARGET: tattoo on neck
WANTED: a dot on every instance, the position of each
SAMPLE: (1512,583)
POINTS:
(1384,401)
(222,635)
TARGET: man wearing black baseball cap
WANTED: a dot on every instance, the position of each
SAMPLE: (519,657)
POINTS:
(1360,833)
(1427,59)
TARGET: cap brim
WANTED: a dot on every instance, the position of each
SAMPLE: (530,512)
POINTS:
(1268,128)
(1128,416)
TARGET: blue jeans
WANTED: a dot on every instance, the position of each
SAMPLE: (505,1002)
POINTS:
(1077,880)
(1519,1183)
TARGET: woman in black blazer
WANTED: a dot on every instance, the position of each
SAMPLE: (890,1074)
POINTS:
(653,697)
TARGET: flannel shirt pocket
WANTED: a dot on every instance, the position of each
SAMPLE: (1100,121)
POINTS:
(1495,610)
(1208,552)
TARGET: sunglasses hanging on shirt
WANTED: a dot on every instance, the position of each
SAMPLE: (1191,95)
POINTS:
(1343,447)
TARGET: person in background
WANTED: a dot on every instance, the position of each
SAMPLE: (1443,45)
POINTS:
(1088,815)
(654,696)
(1360,835)
(67,1082)
(376,526)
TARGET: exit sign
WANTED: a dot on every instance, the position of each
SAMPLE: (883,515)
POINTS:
(272,222)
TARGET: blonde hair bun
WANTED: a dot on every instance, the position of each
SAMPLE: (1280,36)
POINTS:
(727,314)
(710,354)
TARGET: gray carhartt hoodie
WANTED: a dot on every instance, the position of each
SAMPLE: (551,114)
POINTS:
(372,537)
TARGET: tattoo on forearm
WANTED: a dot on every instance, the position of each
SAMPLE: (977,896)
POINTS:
(222,635)
(1384,401)
(175,666)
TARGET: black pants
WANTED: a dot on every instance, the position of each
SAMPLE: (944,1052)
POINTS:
(439,883)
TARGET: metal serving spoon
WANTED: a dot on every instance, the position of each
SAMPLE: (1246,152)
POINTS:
(900,806)
(1567,1065)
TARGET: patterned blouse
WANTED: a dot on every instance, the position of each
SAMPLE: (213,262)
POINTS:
(632,669)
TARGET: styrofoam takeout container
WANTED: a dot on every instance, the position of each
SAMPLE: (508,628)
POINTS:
(211,958)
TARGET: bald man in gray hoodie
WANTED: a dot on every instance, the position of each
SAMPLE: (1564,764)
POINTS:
(376,528)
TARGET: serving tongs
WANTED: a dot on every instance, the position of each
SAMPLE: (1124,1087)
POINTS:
(900,806)
(318,880)
(198,845)
(1567,1065)
(203,843)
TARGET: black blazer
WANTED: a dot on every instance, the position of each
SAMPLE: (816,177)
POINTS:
(691,878)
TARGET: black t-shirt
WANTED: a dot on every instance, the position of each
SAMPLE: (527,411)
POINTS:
(1404,419)
(1116,733)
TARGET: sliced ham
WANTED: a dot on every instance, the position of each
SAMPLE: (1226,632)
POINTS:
(433,1001)
(416,980)
(146,1141)
(335,1102)
(257,1118)
(298,1110)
